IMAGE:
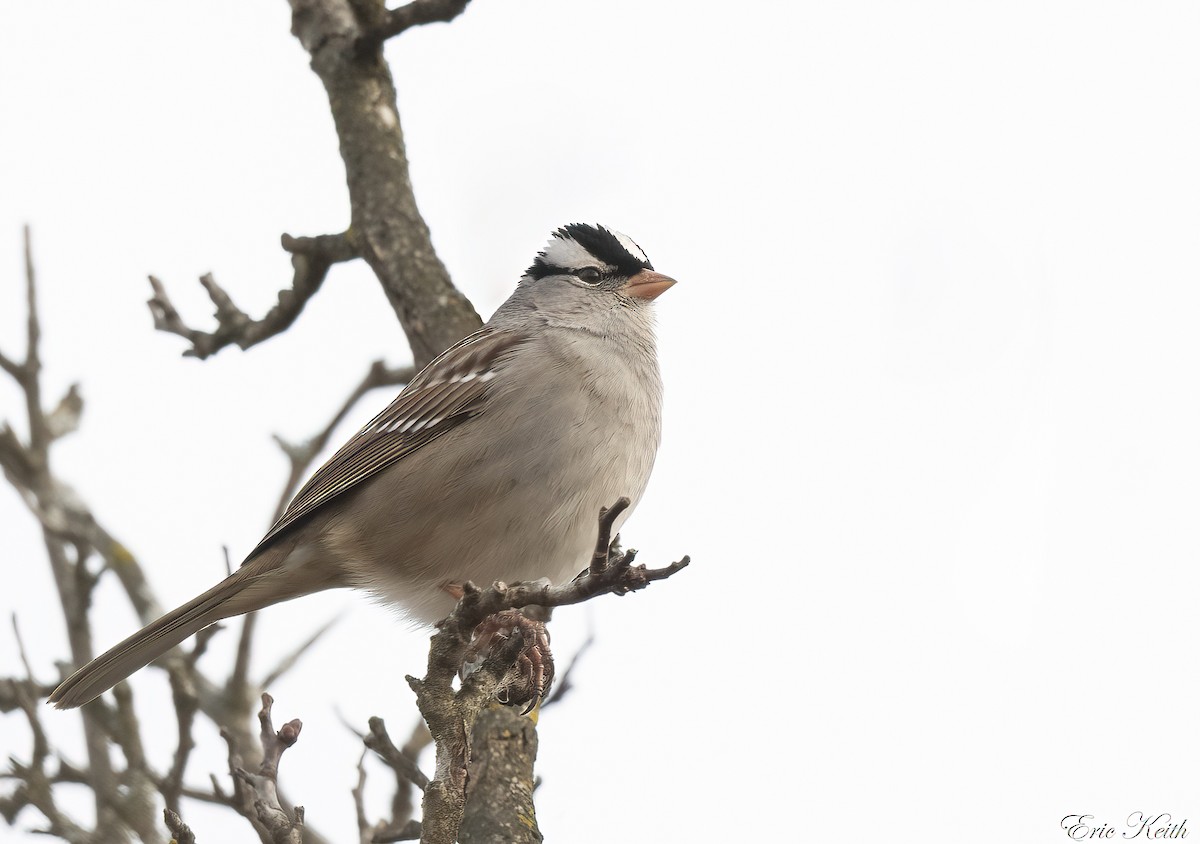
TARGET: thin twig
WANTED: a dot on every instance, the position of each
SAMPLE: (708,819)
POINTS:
(289,661)
(237,686)
(21,647)
(365,831)
(421,12)
(565,679)
(380,24)
(27,466)
(284,826)
(405,766)
(256,795)
(38,439)
(16,370)
(618,577)
(183,694)
(35,786)
(311,259)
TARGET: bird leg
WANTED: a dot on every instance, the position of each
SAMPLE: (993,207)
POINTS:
(532,671)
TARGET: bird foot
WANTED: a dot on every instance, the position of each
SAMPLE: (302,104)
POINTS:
(532,672)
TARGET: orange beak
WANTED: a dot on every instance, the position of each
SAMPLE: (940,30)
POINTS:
(647,285)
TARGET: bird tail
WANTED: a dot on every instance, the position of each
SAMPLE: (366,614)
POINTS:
(246,590)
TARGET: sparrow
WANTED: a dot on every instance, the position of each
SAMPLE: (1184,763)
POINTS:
(492,464)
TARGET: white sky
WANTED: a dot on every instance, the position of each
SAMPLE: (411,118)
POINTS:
(932,412)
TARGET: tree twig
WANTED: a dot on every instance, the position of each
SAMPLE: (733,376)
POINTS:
(564,682)
(405,766)
(291,658)
(392,22)
(35,785)
(27,466)
(311,259)
(257,794)
(183,695)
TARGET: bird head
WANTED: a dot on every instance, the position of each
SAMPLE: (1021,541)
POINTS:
(597,259)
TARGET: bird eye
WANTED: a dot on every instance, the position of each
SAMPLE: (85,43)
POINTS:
(589,274)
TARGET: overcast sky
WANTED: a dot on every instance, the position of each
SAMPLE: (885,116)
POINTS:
(932,407)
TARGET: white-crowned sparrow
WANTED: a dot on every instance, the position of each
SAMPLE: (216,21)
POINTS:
(491,465)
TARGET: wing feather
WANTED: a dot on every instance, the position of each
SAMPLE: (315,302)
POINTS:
(445,394)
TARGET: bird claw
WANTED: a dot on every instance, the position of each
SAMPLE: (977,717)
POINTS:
(531,674)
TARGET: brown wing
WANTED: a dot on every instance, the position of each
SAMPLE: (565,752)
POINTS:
(445,394)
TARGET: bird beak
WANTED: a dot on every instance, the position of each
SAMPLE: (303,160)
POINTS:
(647,285)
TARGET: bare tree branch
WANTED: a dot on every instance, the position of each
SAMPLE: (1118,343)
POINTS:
(35,785)
(402,761)
(243,796)
(366,831)
(181,833)
(402,800)
(38,438)
(405,766)
(10,366)
(285,827)
(499,806)
(311,259)
(139,783)
(289,661)
(564,682)
(72,535)
(380,23)
(618,576)
(237,685)
(27,466)
(451,715)
(256,795)
(344,39)
(65,417)
(390,232)
(187,702)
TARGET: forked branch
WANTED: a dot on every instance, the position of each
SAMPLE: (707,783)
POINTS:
(311,259)
(257,794)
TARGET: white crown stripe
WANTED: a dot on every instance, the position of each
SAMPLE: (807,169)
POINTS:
(630,247)
(565,252)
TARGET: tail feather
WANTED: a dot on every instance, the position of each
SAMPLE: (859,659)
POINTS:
(227,598)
